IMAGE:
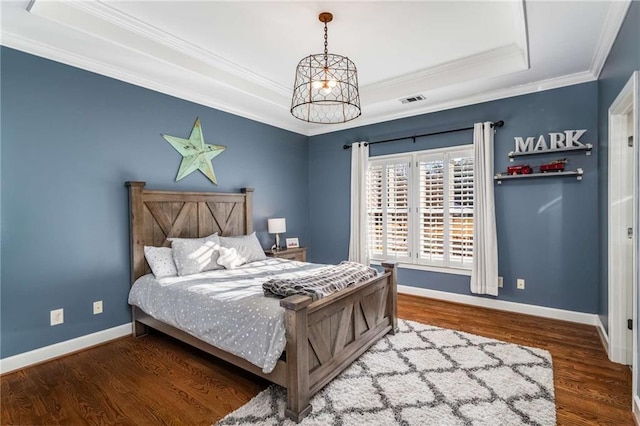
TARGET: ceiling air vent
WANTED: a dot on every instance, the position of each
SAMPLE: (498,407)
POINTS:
(411,99)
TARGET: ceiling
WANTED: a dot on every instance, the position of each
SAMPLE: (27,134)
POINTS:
(240,56)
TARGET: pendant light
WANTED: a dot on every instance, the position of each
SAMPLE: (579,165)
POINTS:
(326,86)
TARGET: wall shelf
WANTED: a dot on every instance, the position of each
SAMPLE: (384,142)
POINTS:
(587,147)
(577,173)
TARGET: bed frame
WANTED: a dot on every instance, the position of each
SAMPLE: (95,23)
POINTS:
(323,337)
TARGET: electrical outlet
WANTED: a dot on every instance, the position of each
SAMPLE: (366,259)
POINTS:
(97,307)
(520,284)
(500,282)
(57,316)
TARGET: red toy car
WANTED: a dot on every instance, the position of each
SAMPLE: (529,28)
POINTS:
(554,166)
(521,169)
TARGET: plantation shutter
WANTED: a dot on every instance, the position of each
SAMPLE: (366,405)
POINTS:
(461,209)
(375,211)
(397,209)
(422,215)
(388,208)
(431,209)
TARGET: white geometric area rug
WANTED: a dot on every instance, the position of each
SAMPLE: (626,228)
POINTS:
(425,375)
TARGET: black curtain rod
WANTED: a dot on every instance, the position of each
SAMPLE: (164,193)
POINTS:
(494,124)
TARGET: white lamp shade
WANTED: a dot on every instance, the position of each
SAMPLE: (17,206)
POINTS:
(277,225)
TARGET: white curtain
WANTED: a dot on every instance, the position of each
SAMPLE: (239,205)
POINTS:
(358,250)
(484,274)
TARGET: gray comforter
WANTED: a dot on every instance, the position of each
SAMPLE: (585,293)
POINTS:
(225,308)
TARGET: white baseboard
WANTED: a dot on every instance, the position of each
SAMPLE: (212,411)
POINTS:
(636,409)
(39,355)
(604,337)
(46,353)
(521,308)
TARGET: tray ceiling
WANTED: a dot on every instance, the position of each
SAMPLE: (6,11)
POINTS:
(240,56)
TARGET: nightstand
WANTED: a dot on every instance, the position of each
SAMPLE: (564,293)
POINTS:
(299,254)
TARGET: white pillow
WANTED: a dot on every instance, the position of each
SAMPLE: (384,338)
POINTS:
(160,259)
(194,255)
(229,258)
(248,247)
(172,239)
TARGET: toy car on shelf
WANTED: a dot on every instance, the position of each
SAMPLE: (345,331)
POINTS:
(554,166)
(520,169)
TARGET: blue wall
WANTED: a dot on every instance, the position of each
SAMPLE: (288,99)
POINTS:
(70,139)
(547,228)
(622,61)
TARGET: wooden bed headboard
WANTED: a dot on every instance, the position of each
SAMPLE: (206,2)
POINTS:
(157,215)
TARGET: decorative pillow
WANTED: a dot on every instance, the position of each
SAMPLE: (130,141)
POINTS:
(194,255)
(172,239)
(247,246)
(229,258)
(160,259)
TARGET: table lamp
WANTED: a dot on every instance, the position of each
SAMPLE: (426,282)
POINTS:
(277,226)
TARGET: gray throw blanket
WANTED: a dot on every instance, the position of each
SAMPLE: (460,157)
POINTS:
(320,284)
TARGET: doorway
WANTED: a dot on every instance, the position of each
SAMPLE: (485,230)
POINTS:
(623,226)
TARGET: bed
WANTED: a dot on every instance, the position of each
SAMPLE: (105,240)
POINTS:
(323,337)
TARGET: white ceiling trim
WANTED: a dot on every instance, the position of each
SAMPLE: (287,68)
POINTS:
(137,26)
(520,18)
(504,59)
(508,58)
(262,96)
(539,86)
(63,56)
(612,24)
(90,17)
(66,13)
(484,64)
(47,51)
(59,55)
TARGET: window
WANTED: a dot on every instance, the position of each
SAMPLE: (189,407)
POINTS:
(420,208)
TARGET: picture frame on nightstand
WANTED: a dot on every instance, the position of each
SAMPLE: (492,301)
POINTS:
(292,243)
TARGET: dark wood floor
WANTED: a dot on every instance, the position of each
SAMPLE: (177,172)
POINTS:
(157,380)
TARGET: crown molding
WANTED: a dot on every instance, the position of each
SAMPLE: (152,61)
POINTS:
(236,90)
(156,35)
(91,17)
(502,60)
(505,59)
(610,29)
(523,89)
(33,47)
(520,19)
(469,62)
(59,55)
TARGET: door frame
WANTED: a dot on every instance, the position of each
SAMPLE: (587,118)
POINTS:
(625,102)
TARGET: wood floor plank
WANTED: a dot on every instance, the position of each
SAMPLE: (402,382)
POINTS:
(156,380)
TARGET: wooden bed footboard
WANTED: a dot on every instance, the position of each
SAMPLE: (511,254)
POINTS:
(323,337)
(326,336)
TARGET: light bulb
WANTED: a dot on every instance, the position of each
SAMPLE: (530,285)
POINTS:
(328,85)
(325,85)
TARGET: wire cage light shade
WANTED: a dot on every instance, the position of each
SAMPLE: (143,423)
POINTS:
(326,87)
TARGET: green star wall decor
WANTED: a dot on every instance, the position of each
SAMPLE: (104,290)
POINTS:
(196,155)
